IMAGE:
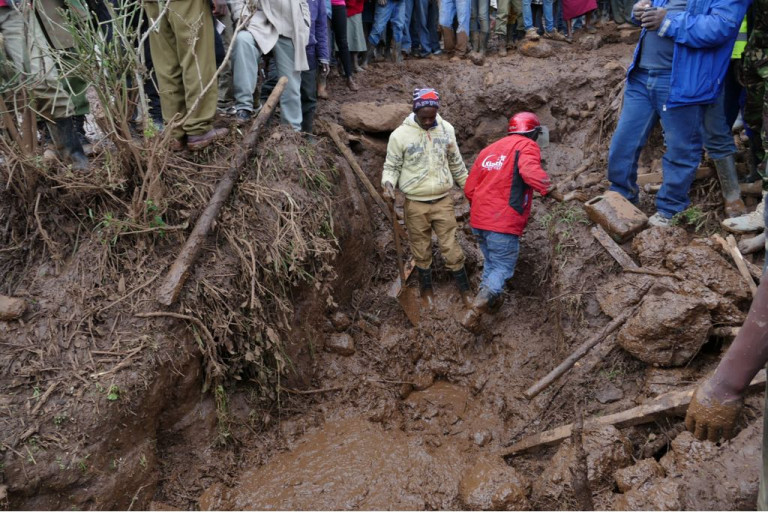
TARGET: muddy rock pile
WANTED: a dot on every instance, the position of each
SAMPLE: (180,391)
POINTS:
(694,289)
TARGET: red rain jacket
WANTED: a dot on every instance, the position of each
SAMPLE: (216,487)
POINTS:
(501,183)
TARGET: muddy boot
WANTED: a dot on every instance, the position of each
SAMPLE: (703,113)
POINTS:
(478,57)
(482,304)
(502,41)
(462,46)
(64,135)
(462,283)
(322,86)
(397,52)
(729,184)
(425,287)
(370,56)
(747,223)
(449,41)
(754,244)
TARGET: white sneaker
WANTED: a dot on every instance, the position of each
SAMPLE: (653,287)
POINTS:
(659,220)
(754,221)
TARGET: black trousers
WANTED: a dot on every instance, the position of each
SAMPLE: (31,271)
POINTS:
(339,26)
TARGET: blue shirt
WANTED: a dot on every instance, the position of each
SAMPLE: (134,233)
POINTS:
(656,51)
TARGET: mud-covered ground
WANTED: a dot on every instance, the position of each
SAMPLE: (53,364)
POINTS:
(374,413)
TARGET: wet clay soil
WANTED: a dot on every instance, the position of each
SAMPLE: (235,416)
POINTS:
(402,417)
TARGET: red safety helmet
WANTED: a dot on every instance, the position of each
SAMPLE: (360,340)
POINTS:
(522,123)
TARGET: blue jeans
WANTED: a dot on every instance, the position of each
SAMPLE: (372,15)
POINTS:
(479,18)
(433,22)
(500,251)
(549,21)
(645,102)
(420,26)
(720,116)
(460,9)
(408,8)
(715,130)
(391,12)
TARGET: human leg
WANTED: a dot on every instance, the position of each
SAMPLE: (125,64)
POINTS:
(290,100)
(636,120)
(245,70)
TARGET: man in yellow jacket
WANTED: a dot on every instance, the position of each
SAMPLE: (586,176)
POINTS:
(423,159)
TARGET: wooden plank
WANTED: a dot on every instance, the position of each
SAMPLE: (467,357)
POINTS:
(613,248)
(655,178)
(668,404)
(730,247)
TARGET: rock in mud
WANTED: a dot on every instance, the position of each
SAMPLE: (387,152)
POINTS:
(340,343)
(607,450)
(703,476)
(482,437)
(608,394)
(11,308)
(591,42)
(667,330)
(492,485)
(653,244)
(370,117)
(629,35)
(701,263)
(340,321)
(619,293)
(537,49)
(635,476)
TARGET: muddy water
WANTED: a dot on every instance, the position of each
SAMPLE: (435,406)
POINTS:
(354,463)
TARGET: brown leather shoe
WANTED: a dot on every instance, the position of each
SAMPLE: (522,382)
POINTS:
(176,145)
(198,142)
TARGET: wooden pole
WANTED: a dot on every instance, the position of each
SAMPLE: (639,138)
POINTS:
(171,287)
(673,403)
(580,352)
(347,153)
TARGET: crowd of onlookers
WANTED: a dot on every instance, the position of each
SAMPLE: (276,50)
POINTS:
(302,40)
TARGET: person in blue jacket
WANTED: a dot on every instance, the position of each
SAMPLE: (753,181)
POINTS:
(678,68)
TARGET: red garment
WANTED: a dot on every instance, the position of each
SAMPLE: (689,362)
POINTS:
(575,8)
(353,7)
(3,3)
(501,183)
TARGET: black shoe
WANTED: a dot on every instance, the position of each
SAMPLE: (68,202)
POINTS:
(243,117)
(64,134)
(425,286)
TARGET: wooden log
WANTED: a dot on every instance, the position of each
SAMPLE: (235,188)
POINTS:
(333,131)
(674,403)
(171,287)
(613,248)
(655,178)
(585,347)
(730,247)
(648,272)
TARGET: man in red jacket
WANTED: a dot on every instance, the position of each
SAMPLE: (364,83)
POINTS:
(500,191)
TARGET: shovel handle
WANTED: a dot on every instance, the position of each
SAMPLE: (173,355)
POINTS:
(398,246)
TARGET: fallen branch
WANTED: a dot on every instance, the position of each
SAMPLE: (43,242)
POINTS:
(44,397)
(674,403)
(647,272)
(171,288)
(580,352)
(578,172)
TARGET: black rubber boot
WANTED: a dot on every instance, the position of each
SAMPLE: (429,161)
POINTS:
(729,184)
(370,55)
(483,303)
(68,143)
(462,283)
(425,286)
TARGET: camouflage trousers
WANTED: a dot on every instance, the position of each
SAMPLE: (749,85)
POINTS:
(754,77)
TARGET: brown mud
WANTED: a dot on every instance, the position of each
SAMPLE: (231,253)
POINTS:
(318,393)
